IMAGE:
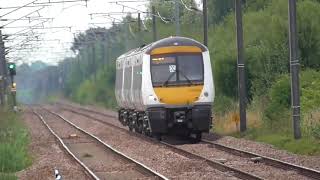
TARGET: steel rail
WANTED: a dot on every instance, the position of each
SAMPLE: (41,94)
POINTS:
(305,171)
(65,147)
(215,164)
(86,109)
(139,164)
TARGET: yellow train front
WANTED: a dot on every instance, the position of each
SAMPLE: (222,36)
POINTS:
(164,87)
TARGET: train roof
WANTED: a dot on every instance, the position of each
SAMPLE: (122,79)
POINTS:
(170,41)
(176,41)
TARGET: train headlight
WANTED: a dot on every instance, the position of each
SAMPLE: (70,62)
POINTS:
(206,94)
(152,98)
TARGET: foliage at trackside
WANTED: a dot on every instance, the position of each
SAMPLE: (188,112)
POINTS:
(279,97)
(99,93)
(266,46)
(267,62)
(266,55)
(14,141)
(304,146)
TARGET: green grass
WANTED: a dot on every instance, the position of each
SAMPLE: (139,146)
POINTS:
(54,98)
(14,142)
(276,131)
(285,141)
(8,177)
(305,146)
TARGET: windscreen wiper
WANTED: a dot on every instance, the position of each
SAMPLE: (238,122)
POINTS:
(190,82)
(167,81)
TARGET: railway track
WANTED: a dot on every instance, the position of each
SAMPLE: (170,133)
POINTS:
(304,171)
(215,164)
(312,173)
(100,160)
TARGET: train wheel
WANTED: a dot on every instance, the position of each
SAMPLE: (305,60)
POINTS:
(145,127)
(196,137)
(157,136)
(146,132)
(139,127)
(130,125)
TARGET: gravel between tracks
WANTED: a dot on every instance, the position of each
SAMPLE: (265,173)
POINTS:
(248,145)
(159,158)
(103,162)
(264,171)
(259,169)
(47,154)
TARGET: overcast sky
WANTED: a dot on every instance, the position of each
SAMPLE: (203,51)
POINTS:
(57,41)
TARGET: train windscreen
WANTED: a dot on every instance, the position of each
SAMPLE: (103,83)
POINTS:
(177,69)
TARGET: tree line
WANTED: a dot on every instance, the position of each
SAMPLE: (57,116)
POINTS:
(89,76)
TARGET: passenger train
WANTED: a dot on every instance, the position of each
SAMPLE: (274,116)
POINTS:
(166,86)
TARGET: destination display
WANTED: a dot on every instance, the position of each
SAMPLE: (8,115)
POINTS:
(164,60)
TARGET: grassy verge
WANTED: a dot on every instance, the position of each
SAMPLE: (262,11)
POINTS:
(279,135)
(14,141)
(53,98)
(305,146)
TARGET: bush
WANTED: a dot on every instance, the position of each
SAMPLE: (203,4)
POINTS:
(315,131)
(277,112)
(267,67)
(310,101)
(223,104)
(310,89)
(99,91)
(266,45)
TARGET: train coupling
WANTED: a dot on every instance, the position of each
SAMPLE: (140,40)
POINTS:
(179,117)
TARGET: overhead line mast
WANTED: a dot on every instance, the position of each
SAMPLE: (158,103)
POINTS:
(154,28)
(2,71)
(177,17)
(294,69)
(241,67)
(205,23)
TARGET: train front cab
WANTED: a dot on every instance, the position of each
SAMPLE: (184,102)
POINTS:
(181,81)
